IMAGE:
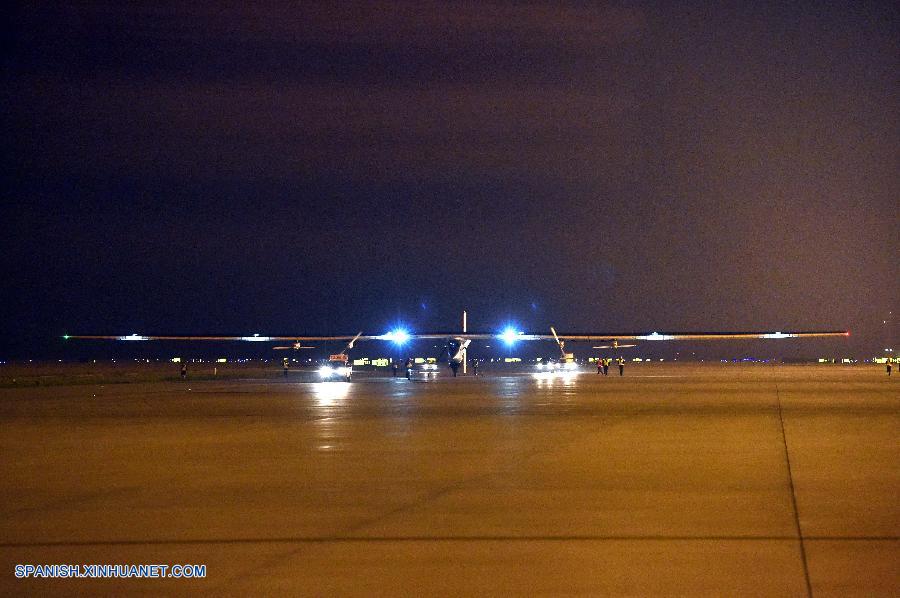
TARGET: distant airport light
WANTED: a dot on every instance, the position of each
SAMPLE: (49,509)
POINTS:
(778,335)
(256,338)
(65,337)
(398,336)
(134,337)
(509,335)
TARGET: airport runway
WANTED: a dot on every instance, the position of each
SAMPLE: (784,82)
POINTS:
(713,480)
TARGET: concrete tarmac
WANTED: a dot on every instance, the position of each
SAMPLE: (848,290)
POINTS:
(715,480)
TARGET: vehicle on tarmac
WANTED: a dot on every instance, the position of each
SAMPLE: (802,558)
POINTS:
(338,367)
(423,372)
(554,365)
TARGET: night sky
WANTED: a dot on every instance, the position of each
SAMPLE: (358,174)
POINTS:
(328,168)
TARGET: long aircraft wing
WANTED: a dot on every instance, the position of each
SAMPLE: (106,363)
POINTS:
(390,336)
(252,338)
(507,336)
(691,336)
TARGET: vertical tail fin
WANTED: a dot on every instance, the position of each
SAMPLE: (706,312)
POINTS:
(464,355)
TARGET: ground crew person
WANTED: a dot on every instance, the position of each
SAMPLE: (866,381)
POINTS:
(394,368)
(183,371)
(285,367)
(606,363)
(474,367)
(889,367)
(599,365)
(621,363)
(408,369)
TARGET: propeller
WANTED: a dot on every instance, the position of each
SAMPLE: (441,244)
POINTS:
(355,338)
(453,346)
(561,343)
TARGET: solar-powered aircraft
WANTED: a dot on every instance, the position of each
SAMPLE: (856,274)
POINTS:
(457,343)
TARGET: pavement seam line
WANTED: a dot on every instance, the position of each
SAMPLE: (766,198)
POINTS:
(787,459)
(389,539)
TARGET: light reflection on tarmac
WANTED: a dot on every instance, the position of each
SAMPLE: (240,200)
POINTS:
(669,480)
(329,394)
